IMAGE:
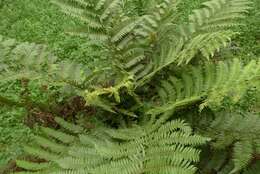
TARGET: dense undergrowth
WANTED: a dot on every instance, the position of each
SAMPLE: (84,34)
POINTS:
(42,22)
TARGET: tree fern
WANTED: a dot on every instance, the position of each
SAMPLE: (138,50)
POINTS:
(139,117)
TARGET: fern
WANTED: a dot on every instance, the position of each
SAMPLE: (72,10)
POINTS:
(138,125)
(35,62)
(208,84)
(212,24)
(208,30)
(238,130)
(243,152)
(134,40)
(95,98)
(169,148)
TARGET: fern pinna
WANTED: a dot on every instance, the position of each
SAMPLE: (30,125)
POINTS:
(162,72)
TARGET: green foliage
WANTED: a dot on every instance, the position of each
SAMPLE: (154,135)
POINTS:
(32,62)
(211,83)
(13,134)
(240,131)
(168,148)
(138,102)
(248,41)
(41,22)
(207,31)
(254,169)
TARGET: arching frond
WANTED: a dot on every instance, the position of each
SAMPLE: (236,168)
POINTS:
(213,24)
(209,83)
(243,152)
(241,131)
(144,45)
(169,148)
(35,62)
(209,29)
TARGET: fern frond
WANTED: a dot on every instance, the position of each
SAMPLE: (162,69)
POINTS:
(243,153)
(36,62)
(94,98)
(213,24)
(218,12)
(126,134)
(170,147)
(160,16)
(207,44)
(237,130)
(51,145)
(207,83)
(109,8)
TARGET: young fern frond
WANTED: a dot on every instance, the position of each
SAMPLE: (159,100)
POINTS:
(243,153)
(97,97)
(210,84)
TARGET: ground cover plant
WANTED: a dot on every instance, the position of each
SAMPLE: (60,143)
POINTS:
(168,93)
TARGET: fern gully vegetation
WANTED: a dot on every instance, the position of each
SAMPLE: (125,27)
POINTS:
(157,87)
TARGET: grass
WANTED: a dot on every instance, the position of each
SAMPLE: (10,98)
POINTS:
(41,22)
(13,133)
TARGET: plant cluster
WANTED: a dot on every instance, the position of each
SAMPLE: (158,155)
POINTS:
(165,102)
